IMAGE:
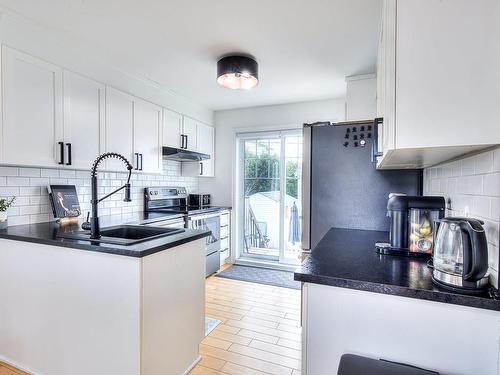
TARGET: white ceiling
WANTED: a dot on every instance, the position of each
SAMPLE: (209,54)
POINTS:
(305,48)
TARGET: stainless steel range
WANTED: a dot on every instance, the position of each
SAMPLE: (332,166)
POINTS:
(173,201)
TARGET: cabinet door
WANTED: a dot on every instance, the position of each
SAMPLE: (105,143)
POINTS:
(189,129)
(147,136)
(206,146)
(447,85)
(32,110)
(172,129)
(83,119)
(119,127)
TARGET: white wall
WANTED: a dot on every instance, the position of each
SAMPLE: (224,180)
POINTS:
(60,48)
(275,117)
(473,185)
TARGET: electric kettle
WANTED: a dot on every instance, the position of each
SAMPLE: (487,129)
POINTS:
(460,254)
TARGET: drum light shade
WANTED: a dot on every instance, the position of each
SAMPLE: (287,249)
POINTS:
(237,72)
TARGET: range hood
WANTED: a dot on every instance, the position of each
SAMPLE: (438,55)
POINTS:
(180,154)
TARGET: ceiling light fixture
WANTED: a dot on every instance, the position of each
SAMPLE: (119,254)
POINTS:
(237,72)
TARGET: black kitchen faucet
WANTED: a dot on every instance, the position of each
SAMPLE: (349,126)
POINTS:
(95,232)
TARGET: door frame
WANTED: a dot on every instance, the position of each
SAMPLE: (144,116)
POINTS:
(240,138)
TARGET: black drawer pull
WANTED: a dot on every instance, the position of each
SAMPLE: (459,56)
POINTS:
(69,154)
(61,151)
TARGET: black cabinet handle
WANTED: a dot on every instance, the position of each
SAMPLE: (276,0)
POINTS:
(140,155)
(186,142)
(375,153)
(61,151)
(182,140)
(136,161)
(201,169)
(69,154)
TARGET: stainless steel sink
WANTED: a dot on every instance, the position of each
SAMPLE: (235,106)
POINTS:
(123,234)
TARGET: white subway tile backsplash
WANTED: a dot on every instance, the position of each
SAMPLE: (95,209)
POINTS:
(39,218)
(495,209)
(474,190)
(39,181)
(468,166)
(492,184)
(496,160)
(481,206)
(50,173)
(29,185)
(67,173)
(18,181)
(8,191)
(9,171)
(19,220)
(33,190)
(29,172)
(29,210)
(483,163)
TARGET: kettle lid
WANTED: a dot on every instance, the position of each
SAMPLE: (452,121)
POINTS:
(475,224)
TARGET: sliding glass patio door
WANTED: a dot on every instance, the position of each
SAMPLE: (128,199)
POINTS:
(270,196)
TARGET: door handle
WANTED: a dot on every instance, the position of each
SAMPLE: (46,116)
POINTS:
(140,155)
(136,161)
(61,151)
(69,154)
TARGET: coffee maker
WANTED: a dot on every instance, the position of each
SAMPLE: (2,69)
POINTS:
(460,255)
(412,225)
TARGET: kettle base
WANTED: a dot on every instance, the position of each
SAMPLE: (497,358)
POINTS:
(478,291)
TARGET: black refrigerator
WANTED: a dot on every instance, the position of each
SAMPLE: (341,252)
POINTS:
(341,186)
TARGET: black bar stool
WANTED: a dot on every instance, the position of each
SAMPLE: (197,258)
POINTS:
(351,364)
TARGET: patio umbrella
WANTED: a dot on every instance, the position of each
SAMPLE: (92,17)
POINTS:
(294,229)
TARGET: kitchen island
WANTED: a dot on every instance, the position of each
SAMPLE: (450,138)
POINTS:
(75,307)
(382,306)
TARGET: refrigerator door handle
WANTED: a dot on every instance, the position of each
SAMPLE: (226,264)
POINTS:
(306,187)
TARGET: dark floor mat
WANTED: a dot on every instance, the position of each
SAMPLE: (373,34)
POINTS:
(261,276)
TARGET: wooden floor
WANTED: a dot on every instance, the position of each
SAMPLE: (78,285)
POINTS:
(260,331)
(9,370)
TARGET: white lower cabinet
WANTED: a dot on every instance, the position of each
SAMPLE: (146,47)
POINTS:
(225,237)
(32,110)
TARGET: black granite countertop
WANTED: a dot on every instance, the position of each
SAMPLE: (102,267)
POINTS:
(347,258)
(47,234)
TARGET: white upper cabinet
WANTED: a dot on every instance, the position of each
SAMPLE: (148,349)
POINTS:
(361,98)
(205,135)
(84,118)
(190,132)
(32,110)
(51,117)
(206,146)
(147,136)
(172,129)
(119,128)
(437,80)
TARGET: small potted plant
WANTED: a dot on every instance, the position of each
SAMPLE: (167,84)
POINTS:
(5,203)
